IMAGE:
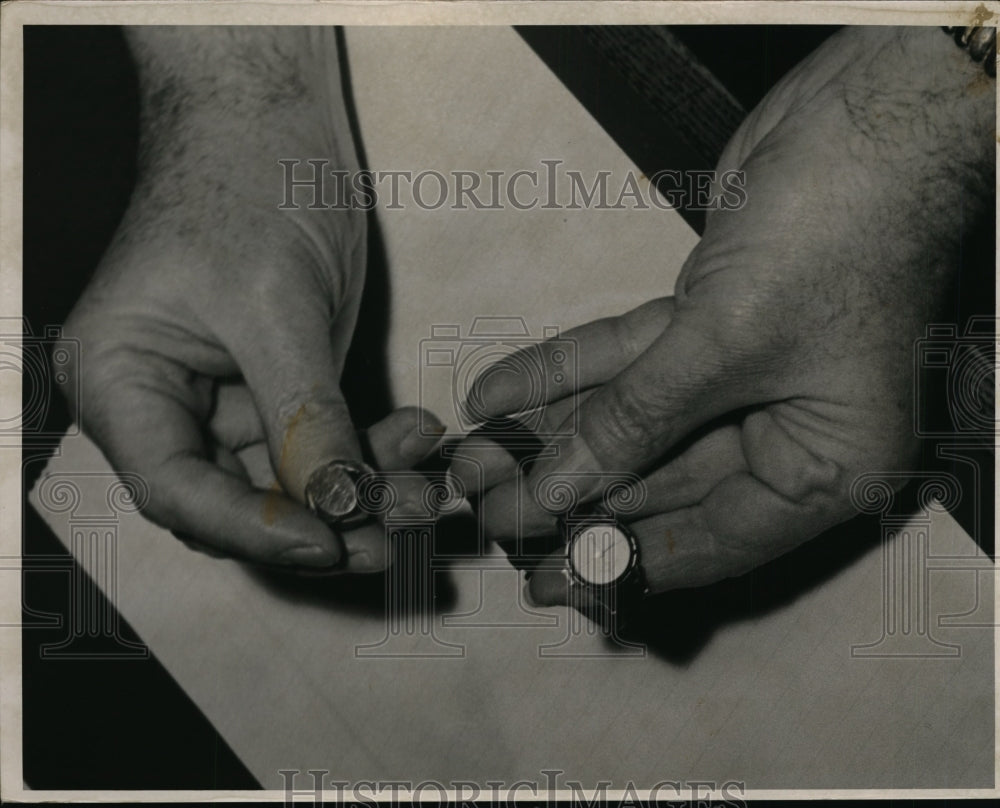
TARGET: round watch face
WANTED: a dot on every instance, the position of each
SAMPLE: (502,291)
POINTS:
(600,553)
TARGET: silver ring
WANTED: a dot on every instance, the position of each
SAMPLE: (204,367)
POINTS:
(332,493)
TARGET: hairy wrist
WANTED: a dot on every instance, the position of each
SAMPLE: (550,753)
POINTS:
(924,112)
(253,67)
(914,90)
(249,91)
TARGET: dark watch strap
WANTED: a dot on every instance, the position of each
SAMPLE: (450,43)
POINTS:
(981,43)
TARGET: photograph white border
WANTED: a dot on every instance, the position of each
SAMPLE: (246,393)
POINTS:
(15,15)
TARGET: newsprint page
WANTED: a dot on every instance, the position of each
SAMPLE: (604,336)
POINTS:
(557,403)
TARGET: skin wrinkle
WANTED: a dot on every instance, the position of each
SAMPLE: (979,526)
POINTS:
(206,283)
(857,224)
(814,476)
(844,279)
(152,329)
(196,406)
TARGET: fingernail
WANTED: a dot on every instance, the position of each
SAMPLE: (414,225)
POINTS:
(574,455)
(548,588)
(411,509)
(422,439)
(360,562)
(470,408)
(411,504)
(526,593)
(456,492)
(447,495)
(574,467)
(310,555)
(465,473)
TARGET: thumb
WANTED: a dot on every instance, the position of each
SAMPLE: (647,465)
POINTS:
(293,372)
(703,365)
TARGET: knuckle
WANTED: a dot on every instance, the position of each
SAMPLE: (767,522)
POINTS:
(741,336)
(819,482)
(687,475)
(624,337)
(289,408)
(108,373)
(412,414)
(164,506)
(628,418)
(742,326)
(785,456)
(67,374)
(294,405)
(376,556)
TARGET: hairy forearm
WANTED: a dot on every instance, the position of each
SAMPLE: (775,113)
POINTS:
(220,107)
(267,65)
(272,91)
(920,94)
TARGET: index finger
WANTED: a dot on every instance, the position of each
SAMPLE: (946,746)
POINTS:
(583,357)
(148,422)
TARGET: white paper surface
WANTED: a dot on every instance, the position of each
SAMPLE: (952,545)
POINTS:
(774,700)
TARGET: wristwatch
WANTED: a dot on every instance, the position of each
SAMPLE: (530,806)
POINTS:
(603,568)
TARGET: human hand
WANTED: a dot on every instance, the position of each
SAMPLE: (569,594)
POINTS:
(217,319)
(782,368)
